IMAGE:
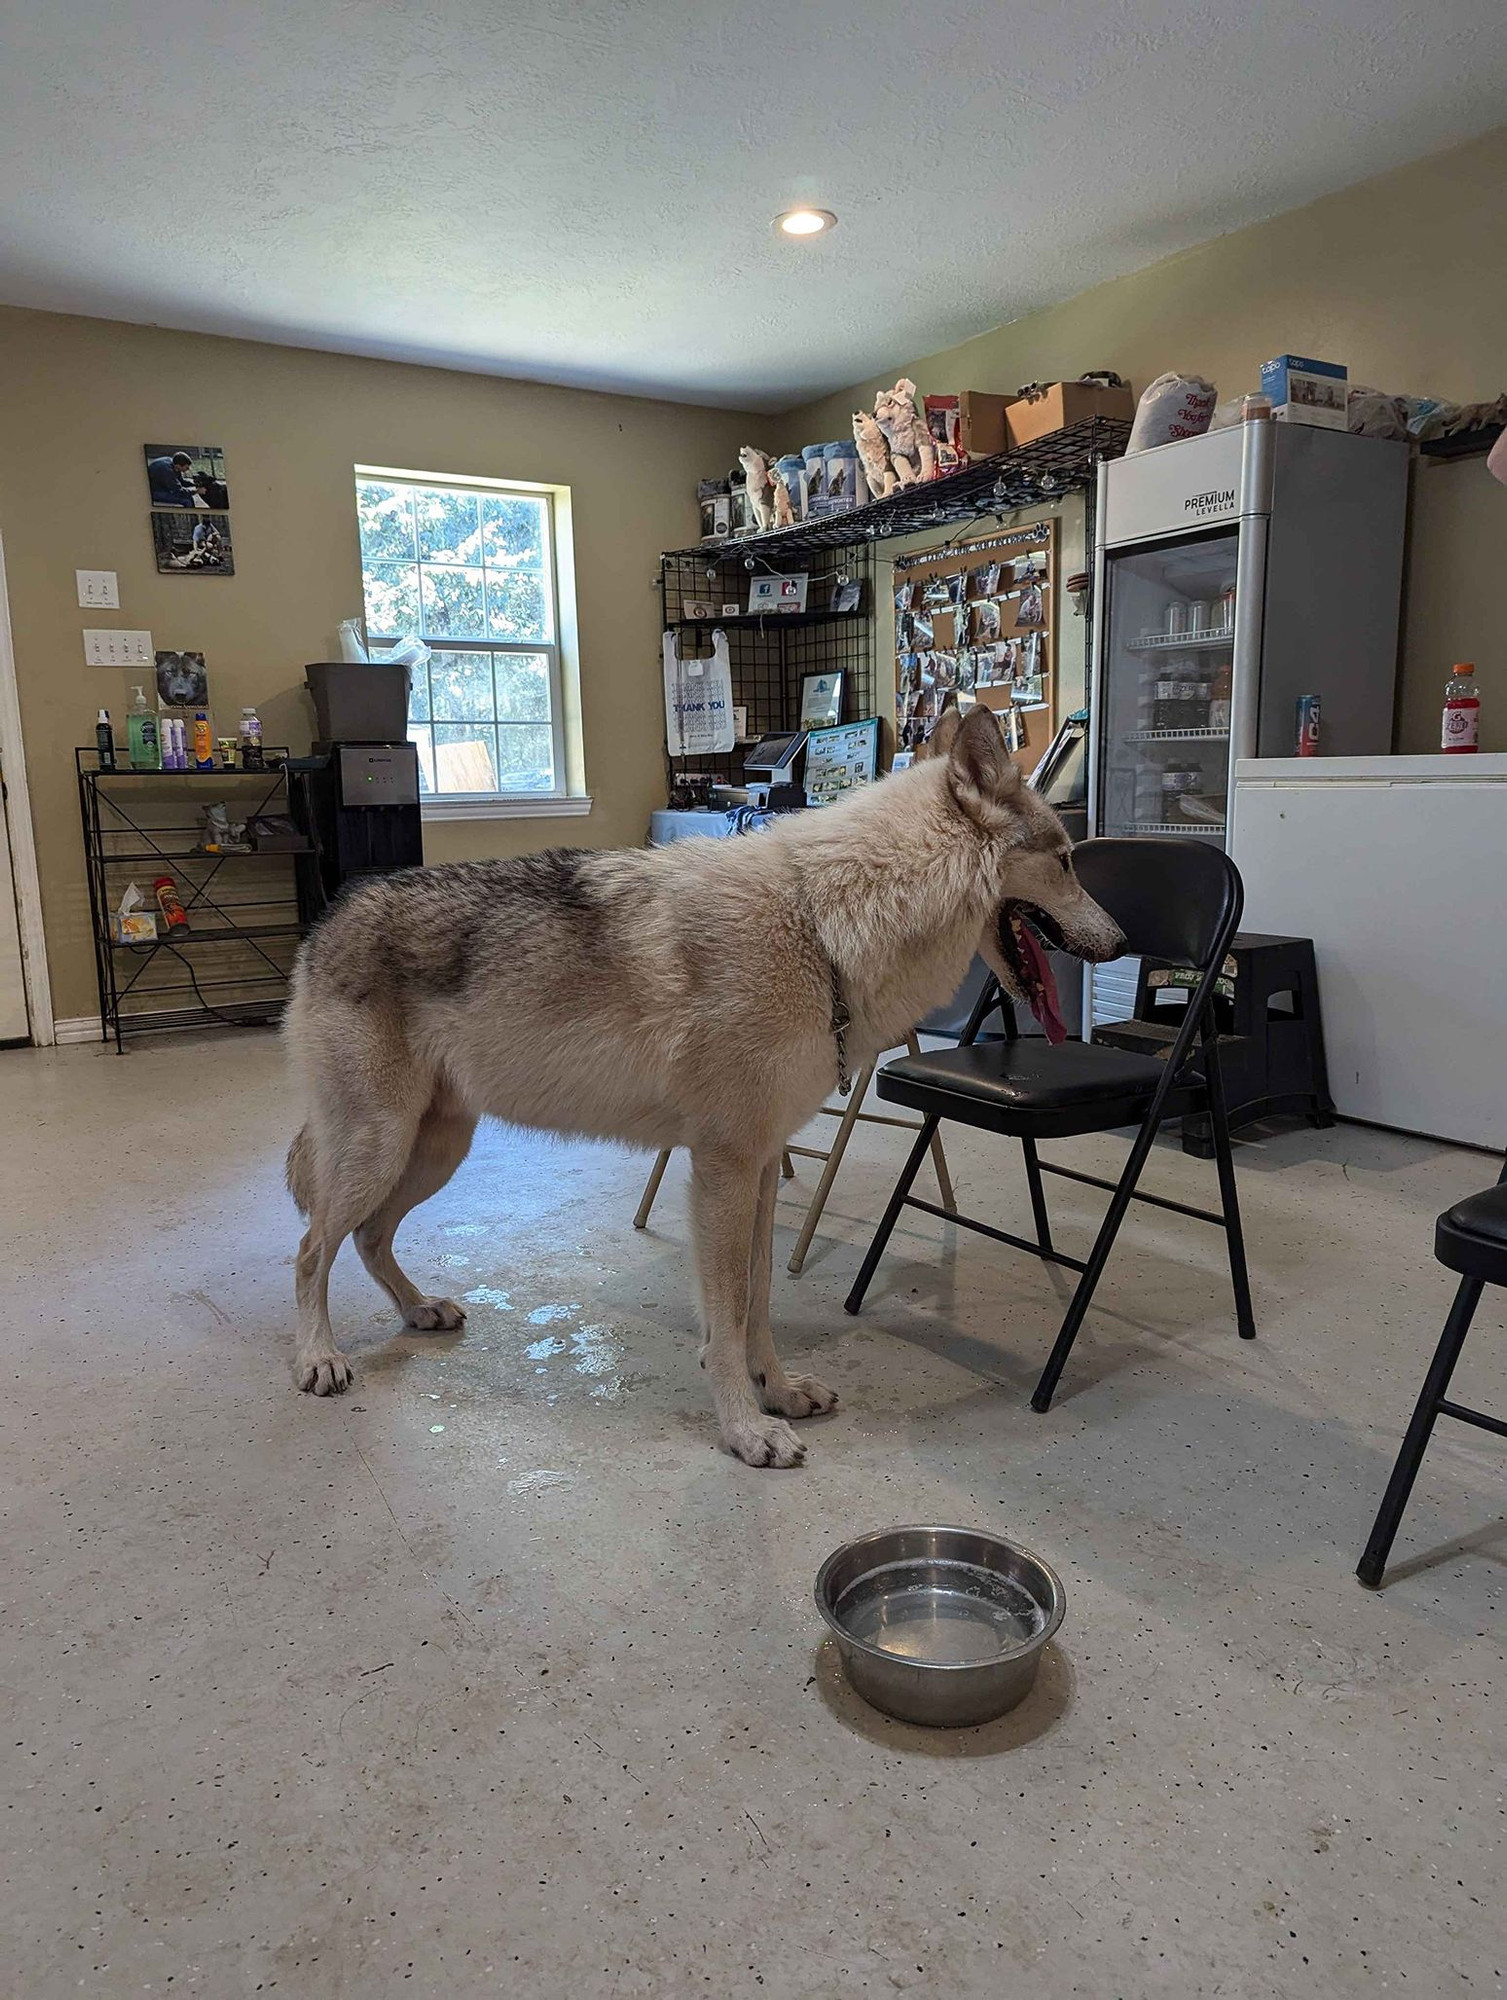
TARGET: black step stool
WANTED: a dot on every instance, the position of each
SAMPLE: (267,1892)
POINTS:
(1271,1034)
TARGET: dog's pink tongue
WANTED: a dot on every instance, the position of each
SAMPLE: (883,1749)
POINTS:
(1043,997)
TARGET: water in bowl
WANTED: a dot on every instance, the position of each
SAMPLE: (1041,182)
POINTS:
(943,1614)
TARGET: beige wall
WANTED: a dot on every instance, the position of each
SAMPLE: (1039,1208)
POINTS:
(1403,279)
(79,398)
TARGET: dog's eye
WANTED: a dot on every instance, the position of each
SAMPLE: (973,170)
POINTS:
(1067,863)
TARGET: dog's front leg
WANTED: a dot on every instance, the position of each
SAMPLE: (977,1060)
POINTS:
(724,1207)
(781,1394)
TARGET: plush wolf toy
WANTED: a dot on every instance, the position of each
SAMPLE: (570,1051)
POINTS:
(874,456)
(758,479)
(910,442)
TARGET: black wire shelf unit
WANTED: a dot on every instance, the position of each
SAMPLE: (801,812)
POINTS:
(769,656)
(243,922)
(771,653)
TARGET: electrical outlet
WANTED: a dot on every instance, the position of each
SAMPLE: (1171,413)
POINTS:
(98,589)
(104,648)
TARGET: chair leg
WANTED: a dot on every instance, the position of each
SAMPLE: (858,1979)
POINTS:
(1229,1200)
(938,1157)
(787,1166)
(651,1189)
(1410,1457)
(845,1126)
(891,1214)
(1109,1229)
(1038,1194)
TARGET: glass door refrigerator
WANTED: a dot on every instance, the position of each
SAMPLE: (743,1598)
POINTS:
(1236,574)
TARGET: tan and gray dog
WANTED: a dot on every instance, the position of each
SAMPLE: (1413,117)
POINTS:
(703,995)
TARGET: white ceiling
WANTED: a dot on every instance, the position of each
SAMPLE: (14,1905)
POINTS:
(582,192)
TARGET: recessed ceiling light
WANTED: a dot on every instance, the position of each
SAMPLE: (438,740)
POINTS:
(805,221)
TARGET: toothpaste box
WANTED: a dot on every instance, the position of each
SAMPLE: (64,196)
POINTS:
(1306,392)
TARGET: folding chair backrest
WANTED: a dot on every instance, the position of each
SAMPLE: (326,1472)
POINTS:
(1175,900)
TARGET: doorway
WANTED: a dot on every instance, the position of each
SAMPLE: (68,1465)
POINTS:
(25,995)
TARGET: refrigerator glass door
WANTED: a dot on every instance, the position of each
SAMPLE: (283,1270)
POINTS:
(1163,709)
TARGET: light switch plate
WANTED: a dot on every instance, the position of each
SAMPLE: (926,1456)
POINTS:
(104,648)
(98,589)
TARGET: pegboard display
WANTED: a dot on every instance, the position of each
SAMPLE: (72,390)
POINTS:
(977,621)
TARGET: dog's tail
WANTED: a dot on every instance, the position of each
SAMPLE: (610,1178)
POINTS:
(300,1171)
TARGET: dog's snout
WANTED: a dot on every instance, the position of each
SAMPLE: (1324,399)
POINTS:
(1106,948)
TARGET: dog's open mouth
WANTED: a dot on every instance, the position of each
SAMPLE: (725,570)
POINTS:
(1026,935)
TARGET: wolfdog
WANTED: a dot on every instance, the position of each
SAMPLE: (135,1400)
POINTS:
(706,995)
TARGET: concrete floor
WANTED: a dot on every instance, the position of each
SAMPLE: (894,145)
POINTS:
(497,1676)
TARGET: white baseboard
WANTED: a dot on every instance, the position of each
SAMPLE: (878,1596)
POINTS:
(79,1028)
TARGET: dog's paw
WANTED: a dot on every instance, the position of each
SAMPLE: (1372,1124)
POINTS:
(322,1374)
(435,1316)
(796,1396)
(762,1441)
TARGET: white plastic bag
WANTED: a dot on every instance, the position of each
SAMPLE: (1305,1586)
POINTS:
(698,700)
(1174,406)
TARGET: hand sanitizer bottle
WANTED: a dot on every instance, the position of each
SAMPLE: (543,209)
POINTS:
(144,743)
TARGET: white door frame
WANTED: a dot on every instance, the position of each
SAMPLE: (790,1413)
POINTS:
(23,846)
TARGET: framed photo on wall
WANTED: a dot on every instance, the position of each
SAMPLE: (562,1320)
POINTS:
(193,544)
(187,475)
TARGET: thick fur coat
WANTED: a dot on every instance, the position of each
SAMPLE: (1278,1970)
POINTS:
(672,997)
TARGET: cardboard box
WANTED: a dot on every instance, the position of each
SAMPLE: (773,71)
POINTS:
(1307,392)
(981,422)
(1064,403)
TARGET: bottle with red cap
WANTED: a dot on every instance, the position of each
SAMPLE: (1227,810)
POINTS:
(1462,709)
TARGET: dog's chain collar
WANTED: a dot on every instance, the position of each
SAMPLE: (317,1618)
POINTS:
(841,1021)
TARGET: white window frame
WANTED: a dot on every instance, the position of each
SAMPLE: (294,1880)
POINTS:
(566,798)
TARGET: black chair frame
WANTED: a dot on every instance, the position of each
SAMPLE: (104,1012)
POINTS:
(1433,1403)
(1190,1080)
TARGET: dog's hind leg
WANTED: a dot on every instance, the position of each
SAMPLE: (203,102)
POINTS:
(725,1199)
(781,1394)
(442,1142)
(354,1169)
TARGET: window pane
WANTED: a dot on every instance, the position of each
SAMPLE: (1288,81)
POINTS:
(424,739)
(418,694)
(453,604)
(448,530)
(465,757)
(522,686)
(512,531)
(392,600)
(386,517)
(462,684)
(517,604)
(528,763)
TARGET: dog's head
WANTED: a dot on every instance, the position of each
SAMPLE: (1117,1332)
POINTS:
(1036,902)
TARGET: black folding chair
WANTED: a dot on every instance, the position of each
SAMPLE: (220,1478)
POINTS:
(1178,901)
(1470,1238)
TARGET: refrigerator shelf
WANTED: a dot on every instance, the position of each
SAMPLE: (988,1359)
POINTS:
(1180,642)
(1178,736)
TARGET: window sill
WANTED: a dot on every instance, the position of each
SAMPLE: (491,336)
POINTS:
(522,805)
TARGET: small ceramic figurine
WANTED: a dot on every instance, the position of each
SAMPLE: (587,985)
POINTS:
(910,442)
(874,455)
(784,506)
(758,480)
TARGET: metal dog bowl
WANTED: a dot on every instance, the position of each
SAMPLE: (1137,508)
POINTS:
(939,1625)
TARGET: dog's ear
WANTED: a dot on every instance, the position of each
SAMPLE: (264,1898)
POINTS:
(982,770)
(943,735)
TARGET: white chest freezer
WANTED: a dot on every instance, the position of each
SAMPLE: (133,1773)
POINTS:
(1396,867)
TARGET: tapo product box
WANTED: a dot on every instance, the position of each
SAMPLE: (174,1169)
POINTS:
(1303,391)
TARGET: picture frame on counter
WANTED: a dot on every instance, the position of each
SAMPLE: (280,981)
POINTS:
(821,700)
(839,758)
